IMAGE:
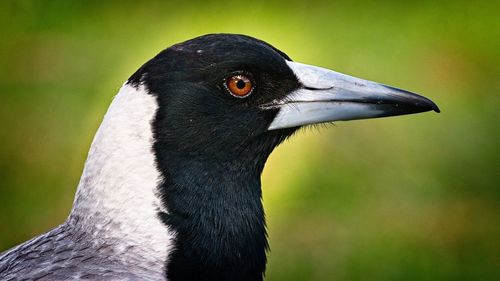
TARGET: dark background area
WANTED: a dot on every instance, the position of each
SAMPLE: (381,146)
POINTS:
(406,198)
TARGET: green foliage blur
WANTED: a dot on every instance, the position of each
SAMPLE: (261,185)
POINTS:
(406,198)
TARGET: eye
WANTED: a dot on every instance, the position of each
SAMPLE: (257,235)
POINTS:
(239,85)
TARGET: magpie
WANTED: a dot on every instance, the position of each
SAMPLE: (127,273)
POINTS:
(171,187)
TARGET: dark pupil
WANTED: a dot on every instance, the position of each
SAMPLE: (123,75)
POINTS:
(240,84)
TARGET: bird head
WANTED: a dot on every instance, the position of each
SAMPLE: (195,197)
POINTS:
(221,96)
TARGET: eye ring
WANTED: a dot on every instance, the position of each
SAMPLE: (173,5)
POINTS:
(239,85)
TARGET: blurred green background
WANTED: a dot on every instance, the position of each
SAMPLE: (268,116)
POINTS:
(408,198)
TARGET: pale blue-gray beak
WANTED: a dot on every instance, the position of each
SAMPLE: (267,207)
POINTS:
(327,96)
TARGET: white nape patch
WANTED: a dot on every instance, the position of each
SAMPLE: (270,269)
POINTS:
(117,197)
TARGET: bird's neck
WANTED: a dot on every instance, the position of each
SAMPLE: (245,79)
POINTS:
(215,209)
(117,199)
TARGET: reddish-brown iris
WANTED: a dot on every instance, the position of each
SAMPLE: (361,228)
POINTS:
(239,85)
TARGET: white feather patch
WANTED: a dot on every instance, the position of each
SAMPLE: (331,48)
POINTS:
(117,197)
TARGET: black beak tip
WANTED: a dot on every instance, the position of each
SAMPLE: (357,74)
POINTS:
(436,108)
(424,103)
(433,106)
(418,101)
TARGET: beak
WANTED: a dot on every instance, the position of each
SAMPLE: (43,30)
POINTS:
(326,96)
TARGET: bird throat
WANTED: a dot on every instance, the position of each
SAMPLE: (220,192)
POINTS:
(213,206)
(215,210)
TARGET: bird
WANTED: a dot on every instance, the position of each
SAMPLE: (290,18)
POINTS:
(171,188)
